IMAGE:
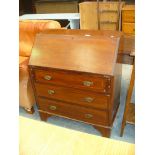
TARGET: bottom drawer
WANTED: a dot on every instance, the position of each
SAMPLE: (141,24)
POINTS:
(73,112)
(128,28)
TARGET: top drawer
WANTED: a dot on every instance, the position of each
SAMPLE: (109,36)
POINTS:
(72,79)
(128,16)
(128,13)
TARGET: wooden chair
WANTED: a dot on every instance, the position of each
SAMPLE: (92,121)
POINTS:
(129,111)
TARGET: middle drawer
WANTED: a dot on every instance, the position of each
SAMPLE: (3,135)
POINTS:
(84,98)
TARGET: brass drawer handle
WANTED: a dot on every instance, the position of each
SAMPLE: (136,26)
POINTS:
(51,92)
(53,107)
(87,83)
(47,77)
(88,99)
(88,115)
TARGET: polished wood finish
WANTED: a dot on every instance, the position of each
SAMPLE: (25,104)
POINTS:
(74,56)
(80,81)
(104,131)
(78,32)
(44,116)
(115,99)
(73,96)
(129,111)
(126,45)
(75,112)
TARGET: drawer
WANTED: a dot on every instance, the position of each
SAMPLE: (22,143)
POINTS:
(73,79)
(73,96)
(73,112)
(128,16)
(128,28)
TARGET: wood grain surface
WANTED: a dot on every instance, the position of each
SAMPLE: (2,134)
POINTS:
(74,112)
(127,42)
(39,138)
(128,28)
(108,15)
(98,83)
(73,96)
(62,66)
(81,53)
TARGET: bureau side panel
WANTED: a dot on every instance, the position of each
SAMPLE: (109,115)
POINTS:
(31,75)
(116,91)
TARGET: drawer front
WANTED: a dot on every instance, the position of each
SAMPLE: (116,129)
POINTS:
(128,28)
(76,80)
(128,16)
(74,112)
(84,98)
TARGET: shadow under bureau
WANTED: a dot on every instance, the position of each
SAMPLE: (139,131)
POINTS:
(77,77)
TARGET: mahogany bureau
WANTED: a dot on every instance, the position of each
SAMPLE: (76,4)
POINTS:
(77,77)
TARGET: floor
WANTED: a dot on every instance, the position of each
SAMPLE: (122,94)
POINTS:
(129,132)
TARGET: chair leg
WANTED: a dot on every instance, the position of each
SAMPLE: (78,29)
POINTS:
(29,110)
(124,119)
(122,127)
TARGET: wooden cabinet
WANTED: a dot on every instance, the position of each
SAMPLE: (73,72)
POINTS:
(128,14)
(128,28)
(77,77)
(104,16)
(128,19)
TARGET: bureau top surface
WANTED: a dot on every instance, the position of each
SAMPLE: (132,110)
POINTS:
(75,53)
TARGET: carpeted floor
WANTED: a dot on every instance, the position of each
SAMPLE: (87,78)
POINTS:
(129,132)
